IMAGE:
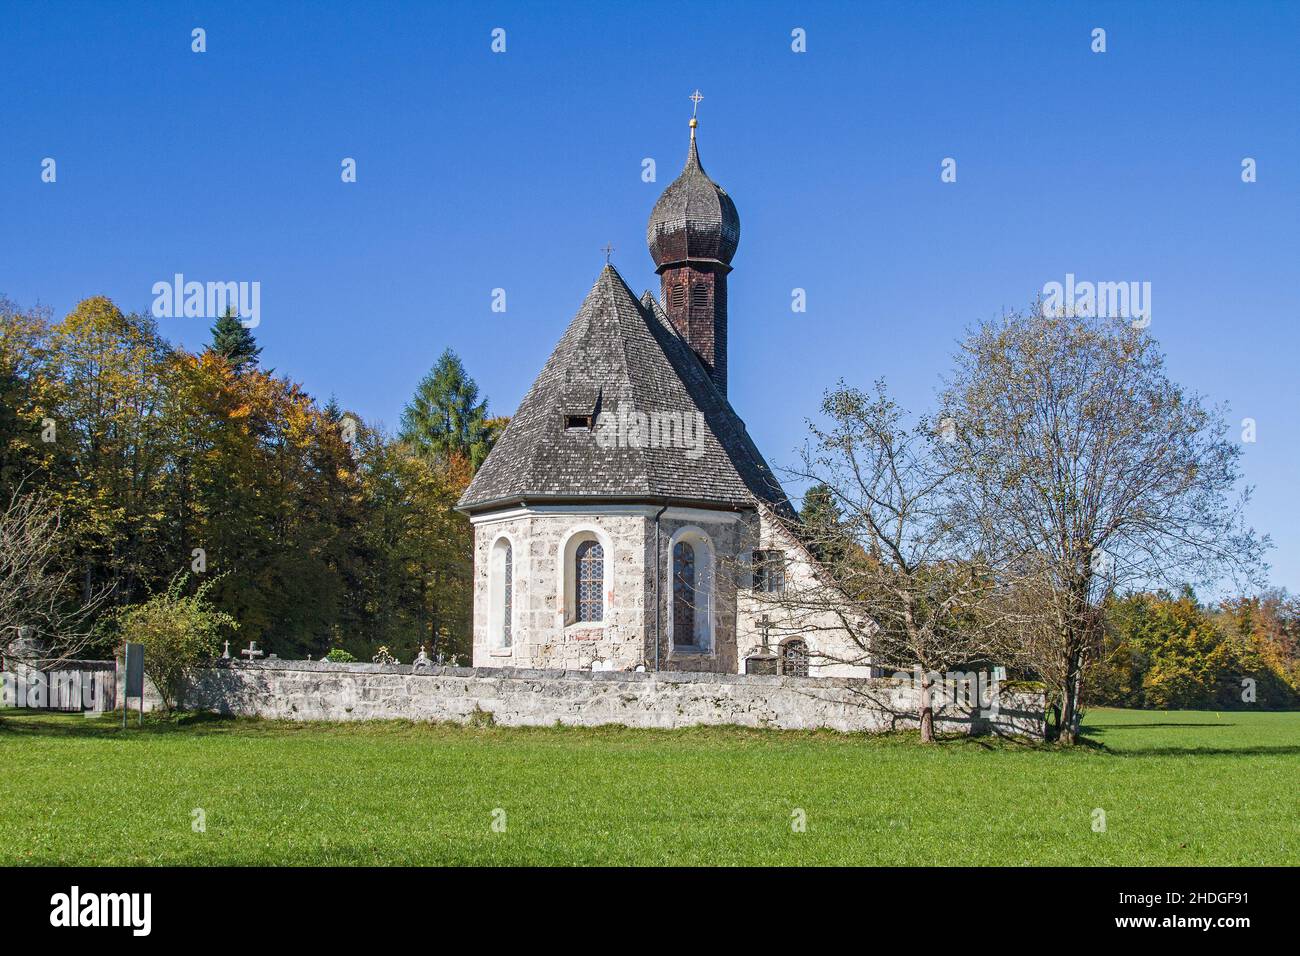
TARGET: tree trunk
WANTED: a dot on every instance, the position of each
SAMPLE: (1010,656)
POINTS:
(1069,724)
(1054,727)
(1075,637)
(927,709)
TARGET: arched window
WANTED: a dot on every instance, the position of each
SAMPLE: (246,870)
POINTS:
(691,596)
(589,575)
(794,658)
(684,594)
(501,594)
(508,582)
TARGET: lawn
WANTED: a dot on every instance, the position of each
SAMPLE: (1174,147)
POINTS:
(1175,788)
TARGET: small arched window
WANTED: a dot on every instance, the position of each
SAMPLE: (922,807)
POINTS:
(684,593)
(794,658)
(589,576)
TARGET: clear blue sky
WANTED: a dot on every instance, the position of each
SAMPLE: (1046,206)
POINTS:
(479,170)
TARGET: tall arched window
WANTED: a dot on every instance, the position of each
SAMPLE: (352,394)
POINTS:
(508,604)
(589,576)
(684,594)
(502,594)
(690,583)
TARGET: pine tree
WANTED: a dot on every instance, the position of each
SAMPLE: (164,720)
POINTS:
(234,342)
(445,417)
(823,523)
(819,507)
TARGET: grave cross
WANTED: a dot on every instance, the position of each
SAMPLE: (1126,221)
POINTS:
(226,653)
(765,625)
(251,652)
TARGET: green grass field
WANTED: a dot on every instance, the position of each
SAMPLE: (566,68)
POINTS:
(1176,788)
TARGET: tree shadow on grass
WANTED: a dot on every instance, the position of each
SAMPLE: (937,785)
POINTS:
(1100,730)
(48,723)
(1286,750)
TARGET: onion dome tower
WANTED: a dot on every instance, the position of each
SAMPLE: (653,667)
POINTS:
(693,233)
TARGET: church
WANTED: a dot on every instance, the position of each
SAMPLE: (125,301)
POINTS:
(625,520)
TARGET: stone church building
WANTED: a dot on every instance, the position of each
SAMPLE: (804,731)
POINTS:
(625,518)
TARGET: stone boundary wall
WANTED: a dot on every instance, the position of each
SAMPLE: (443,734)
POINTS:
(60,684)
(322,690)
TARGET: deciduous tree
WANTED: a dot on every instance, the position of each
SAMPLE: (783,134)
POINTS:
(1089,471)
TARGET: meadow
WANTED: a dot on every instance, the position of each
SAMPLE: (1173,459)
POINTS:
(1158,788)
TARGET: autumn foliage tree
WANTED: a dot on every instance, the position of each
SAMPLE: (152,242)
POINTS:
(320,531)
(1169,651)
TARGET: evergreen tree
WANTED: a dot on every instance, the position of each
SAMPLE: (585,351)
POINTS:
(819,507)
(234,342)
(445,417)
(823,522)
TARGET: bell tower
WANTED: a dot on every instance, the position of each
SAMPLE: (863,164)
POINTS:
(693,233)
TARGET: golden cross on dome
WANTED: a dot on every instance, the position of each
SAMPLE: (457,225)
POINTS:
(608,250)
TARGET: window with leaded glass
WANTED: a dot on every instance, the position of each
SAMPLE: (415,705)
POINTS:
(589,578)
(501,582)
(794,659)
(684,593)
(769,571)
(508,595)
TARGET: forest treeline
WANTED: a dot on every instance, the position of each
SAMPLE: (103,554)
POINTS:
(1171,652)
(318,530)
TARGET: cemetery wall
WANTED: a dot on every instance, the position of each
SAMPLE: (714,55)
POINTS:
(320,690)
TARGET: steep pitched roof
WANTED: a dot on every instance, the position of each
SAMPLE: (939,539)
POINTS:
(619,355)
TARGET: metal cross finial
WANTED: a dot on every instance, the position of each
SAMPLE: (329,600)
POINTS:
(608,250)
(695,98)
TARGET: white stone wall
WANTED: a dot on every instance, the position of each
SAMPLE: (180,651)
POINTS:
(626,639)
(832,651)
(317,690)
(728,533)
(541,634)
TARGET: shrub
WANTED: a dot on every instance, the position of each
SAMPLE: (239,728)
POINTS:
(339,656)
(178,632)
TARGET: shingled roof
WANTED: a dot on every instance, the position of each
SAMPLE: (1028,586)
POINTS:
(694,218)
(620,353)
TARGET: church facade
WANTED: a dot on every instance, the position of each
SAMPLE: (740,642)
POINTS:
(625,519)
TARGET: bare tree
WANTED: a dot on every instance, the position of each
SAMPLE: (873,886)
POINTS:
(894,570)
(1088,471)
(43,616)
